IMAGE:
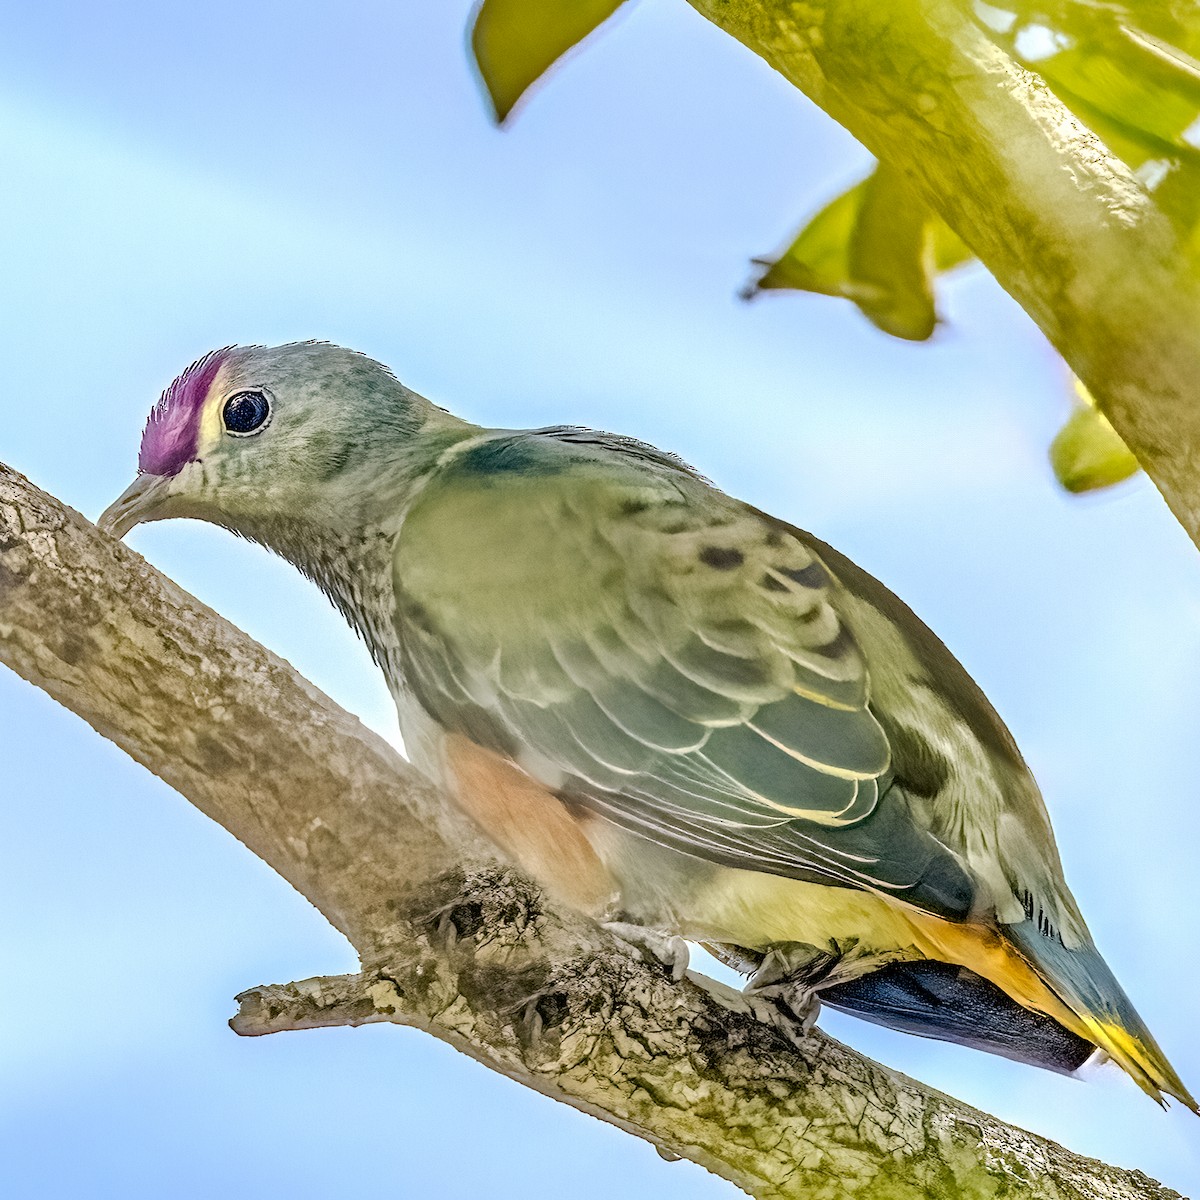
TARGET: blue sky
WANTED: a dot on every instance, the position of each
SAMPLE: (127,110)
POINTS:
(179,178)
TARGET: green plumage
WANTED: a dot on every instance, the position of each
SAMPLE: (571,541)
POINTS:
(702,675)
(761,737)
(649,640)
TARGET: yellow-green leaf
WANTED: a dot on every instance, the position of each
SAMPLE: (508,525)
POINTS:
(949,250)
(891,267)
(878,246)
(516,41)
(818,260)
(1087,452)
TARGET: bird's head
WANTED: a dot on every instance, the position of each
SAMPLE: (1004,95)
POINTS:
(251,433)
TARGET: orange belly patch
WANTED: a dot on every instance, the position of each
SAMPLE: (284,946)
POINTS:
(530,824)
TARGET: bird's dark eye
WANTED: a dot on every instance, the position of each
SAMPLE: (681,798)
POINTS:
(246,413)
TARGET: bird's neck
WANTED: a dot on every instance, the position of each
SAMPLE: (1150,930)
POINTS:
(353,567)
(345,546)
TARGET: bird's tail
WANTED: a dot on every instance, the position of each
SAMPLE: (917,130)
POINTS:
(953,1004)
(1082,981)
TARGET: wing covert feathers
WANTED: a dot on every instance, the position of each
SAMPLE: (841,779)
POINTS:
(720,683)
(663,656)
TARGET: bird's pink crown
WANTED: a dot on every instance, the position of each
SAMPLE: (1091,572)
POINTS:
(172,431)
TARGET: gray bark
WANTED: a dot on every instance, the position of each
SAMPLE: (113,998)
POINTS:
(1060,222)
(453,942)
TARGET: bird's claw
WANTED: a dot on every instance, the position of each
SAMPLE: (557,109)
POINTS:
(779,979)
(666,950)
(796,1007)
(531,1024)
(794,1021)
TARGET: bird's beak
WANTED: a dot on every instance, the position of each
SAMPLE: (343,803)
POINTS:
(137,503)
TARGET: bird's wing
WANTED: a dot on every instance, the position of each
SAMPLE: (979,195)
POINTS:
(661,654)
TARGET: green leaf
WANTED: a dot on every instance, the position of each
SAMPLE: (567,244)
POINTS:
(818,260)
(1087,452)
(949,250)
(516,41)
(878,246)
(890,270)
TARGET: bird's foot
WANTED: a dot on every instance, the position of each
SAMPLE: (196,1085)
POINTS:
(665,949)
(767,1009)
(794,1023)
(786,976)
(799,1007)
(462,917)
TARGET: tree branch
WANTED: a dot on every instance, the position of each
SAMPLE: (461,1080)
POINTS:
(1062,224)
(451,942)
